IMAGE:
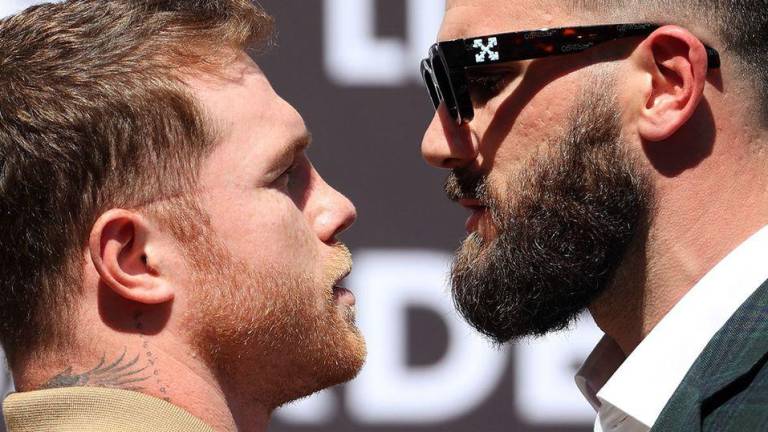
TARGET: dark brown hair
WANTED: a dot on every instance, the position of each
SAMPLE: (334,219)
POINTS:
(739,26)
(94,114)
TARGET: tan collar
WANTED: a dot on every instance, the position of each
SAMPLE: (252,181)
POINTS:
(91,409)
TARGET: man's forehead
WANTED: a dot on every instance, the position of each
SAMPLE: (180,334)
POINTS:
(237,95)
(468,18)
(254,125)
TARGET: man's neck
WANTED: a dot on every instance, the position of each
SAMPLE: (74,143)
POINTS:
(144,366)
(693,228)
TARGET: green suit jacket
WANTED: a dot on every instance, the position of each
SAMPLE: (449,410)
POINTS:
(726,389)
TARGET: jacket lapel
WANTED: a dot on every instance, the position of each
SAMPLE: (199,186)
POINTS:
(733,353)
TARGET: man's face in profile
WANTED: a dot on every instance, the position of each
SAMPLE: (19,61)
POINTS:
(265,304)
(554,196)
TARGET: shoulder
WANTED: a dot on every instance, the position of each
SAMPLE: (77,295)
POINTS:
(726,389)
(742,405)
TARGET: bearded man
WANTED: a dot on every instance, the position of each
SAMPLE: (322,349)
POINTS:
(169,254)
(615,161)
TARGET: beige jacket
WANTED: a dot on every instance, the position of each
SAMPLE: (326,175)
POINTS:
(91,409)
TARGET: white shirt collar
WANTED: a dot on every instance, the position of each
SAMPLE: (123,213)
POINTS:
(642,384)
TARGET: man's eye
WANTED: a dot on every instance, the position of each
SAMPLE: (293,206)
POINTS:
(285,177)
(485,87)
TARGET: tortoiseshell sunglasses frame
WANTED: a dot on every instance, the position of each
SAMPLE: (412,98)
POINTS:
(444,70)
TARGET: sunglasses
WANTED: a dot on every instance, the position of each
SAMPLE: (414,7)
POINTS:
(445,69)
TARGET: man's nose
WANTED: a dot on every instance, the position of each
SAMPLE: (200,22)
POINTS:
(333,215)
(447,144)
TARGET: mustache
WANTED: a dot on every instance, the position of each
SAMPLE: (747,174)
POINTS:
(340,262)
(465,184)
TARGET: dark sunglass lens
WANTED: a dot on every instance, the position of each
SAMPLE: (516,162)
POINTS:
(440,76)
(426,75)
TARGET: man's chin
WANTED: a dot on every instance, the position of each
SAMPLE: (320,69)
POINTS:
(474,250)
(345,351)
(355,348)
(355,360)
(339,367)
(494,296)
(348,315)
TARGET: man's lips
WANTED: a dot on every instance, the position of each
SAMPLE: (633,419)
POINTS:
(343,295)
(478,211)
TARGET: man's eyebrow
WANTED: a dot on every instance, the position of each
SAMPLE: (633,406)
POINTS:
(301,143)
(294,147)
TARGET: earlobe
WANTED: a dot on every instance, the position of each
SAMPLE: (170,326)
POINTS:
(121,253)
(675,62)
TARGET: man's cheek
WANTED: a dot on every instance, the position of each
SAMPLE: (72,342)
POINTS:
(270,222)
(290,242)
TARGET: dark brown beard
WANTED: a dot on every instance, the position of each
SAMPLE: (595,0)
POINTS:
(560,239)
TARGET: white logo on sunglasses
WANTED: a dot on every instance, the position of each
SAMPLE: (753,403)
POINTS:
(486,51)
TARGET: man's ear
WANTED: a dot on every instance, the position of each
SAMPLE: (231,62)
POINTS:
(121,248)
(674,64)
